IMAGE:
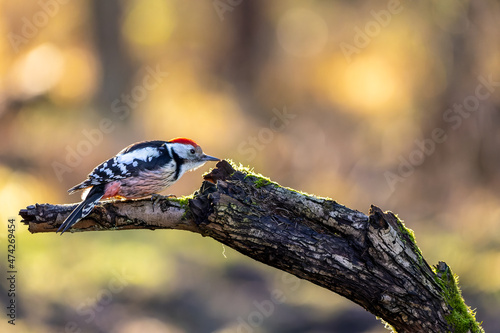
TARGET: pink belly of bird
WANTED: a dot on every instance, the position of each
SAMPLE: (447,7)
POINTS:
(138,187)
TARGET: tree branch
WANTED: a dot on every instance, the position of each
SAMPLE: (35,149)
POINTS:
(371,260)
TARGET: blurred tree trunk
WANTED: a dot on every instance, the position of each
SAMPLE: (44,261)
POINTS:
(463,41)
(117,68)
(372,260)
(246,54)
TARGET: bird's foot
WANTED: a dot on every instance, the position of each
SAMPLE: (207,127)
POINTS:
(157,197)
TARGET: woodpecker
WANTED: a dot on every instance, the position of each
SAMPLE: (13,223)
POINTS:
(139,170)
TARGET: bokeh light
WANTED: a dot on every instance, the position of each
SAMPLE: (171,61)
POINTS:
(355,88)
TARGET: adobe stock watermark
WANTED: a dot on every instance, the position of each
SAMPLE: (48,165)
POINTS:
(265,308)
(223,6)
(363,37)
(121,108)
(90,307)
(31,26)
(254,144)
(454,116)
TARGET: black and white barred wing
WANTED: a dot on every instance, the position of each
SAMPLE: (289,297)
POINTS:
(129,162)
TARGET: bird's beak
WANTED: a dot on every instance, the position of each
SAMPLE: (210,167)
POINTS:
(209,158)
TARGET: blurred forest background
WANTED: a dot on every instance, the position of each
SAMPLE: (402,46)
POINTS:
(391,103)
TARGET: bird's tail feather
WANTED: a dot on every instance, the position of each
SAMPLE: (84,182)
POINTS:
(84,208)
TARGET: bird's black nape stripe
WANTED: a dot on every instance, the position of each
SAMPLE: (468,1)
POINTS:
(178,163)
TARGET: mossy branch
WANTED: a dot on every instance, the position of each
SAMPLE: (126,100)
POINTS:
(372,260)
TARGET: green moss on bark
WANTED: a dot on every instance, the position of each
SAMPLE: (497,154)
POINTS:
(462,318)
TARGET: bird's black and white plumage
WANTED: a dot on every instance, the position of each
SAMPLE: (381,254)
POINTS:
(139,170)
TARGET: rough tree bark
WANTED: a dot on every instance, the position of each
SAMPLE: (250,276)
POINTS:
(371,260)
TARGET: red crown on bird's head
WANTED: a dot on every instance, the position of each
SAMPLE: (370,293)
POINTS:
(184,141)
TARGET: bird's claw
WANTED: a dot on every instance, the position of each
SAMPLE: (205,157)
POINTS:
(157,197)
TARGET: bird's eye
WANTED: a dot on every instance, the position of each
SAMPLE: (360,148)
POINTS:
(191,151)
